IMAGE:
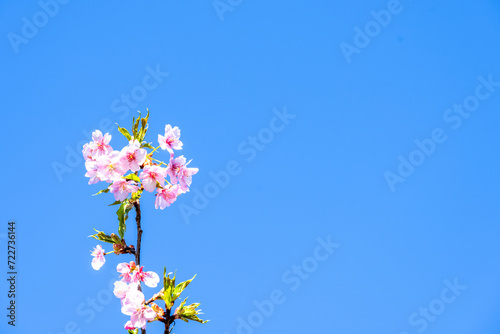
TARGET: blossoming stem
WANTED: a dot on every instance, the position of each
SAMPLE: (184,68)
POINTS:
(161,162)
(153,151)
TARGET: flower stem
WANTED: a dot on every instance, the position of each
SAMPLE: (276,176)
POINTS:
(153,151)
(161,162)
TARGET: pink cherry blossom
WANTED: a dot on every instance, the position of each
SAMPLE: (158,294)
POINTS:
(130,273)
(185,177)
(124,291)
(87,152)
(171,140)
(167,196)
(121,289)
(150,278)
(122,188)
(139,313)
(110,168)
(151,175)
(126,270)
(98,259)
(179,172)
(133,156)
(174,166)
(92,171)
(100,143)
(128,325)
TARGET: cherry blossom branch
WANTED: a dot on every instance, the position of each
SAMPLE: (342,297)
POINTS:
(103,163)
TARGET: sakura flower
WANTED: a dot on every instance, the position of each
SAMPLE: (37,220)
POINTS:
(98,259)
(139,313)
(87,152)
(151,175)
(124,291)
(174,166)
(121,188)
(92,171)
(179,172)
(185,177)
(167,196)
(126,270)
(132,156)
(100,143)
(150,278)
(128,325)
(171,140)
(121,289)
(110,167)
(132,274)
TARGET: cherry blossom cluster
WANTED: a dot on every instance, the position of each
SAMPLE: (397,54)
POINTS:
(132,299)
(129,172)
(103,163)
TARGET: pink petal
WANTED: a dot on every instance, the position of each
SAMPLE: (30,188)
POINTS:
(151,279)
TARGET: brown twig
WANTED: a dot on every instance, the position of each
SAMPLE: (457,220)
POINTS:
(167,323)
(137,206)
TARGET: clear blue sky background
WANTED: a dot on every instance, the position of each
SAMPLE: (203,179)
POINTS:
(323,175)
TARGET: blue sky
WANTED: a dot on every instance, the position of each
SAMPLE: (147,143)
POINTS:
(348,156)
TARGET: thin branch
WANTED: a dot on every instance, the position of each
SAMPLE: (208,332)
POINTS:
(167,323)
(137,206)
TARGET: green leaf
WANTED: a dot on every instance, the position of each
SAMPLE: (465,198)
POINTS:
(102,192)
(189,312)
(165,284)
(115,203)
(147,145)
(124,132)
(145,119)
(122,213)
(144,127)
(101,236)
(137,195)
(135,126)
(168,286)
(181,286)
(133,177)
(133,331)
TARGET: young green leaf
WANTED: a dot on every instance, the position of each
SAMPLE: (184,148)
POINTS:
(136,195)
(189,312)
(144,127)
(101,236)
(135,126)
(181,286)
(147,145)
(124,132)
(168,286)
(133,177)
(102,192)
(122,214)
